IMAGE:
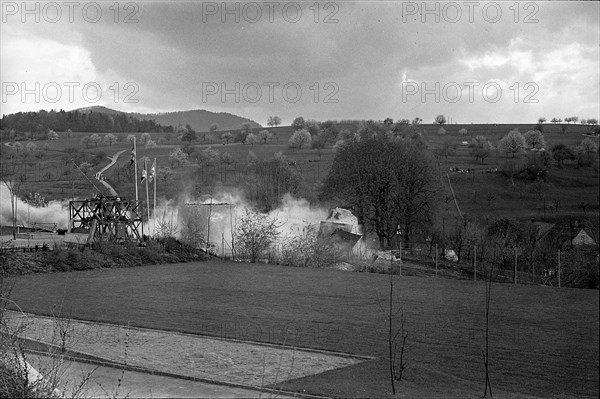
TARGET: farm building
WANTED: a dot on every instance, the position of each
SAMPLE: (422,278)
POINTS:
(564,236)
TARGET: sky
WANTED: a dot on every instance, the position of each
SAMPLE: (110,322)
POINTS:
(474,62)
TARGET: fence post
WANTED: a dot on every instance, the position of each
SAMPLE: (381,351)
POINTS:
(559,268)
(515,265)
(474,262)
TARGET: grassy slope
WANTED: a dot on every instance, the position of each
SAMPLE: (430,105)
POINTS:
(570,186)
(544,341)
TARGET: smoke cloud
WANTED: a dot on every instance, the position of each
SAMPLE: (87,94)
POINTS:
(57,212)
(224,210)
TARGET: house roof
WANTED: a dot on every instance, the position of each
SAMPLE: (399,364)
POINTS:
(564,235)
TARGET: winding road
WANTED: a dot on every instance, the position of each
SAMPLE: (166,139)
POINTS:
(113,160)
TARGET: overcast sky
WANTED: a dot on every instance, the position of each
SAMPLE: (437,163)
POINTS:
(471,61)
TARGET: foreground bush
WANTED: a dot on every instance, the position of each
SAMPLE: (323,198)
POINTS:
(103,255)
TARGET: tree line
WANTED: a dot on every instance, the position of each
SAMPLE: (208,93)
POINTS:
(40,123)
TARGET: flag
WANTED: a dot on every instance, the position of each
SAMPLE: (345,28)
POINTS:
(144,175)
(152,171)
(132,156)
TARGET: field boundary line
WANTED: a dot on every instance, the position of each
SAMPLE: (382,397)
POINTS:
(116,365)
(454,196)
(198,335)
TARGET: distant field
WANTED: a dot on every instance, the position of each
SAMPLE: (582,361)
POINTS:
(544,341)
(479,194)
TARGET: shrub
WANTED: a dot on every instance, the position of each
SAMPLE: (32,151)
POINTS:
(149,255)
(307,249)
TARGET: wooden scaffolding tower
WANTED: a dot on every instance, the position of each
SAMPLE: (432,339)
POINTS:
(106,218)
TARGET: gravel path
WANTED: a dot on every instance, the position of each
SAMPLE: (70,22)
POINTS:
(208,359)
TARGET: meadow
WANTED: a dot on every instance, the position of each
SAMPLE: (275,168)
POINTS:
(570,192)
(544,342)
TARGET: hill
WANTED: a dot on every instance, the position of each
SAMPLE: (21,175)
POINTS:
(199,119)
(99,109)
(571,191)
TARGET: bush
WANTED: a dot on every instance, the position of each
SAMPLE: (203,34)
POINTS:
(13,379)
(149,255)
(307,249)
(580,268)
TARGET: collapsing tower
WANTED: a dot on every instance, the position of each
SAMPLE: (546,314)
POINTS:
(106,218)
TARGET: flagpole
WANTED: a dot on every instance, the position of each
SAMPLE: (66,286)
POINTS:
(147,196)
(135,170)
(154,176)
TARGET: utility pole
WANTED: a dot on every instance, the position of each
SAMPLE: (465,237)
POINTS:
(135,169)
(399,234)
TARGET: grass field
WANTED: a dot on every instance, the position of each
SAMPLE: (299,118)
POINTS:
(544,341)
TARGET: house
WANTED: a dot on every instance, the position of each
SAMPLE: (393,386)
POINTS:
(565,237)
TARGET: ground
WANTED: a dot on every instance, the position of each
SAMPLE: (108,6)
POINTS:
(544,341)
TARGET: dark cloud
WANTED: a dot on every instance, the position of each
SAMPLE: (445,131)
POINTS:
(175,47)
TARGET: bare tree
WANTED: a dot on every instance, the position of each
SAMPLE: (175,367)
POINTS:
(386,183)
(254,235)
(13,182)
(540,188)
(397,337)
(486,350)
